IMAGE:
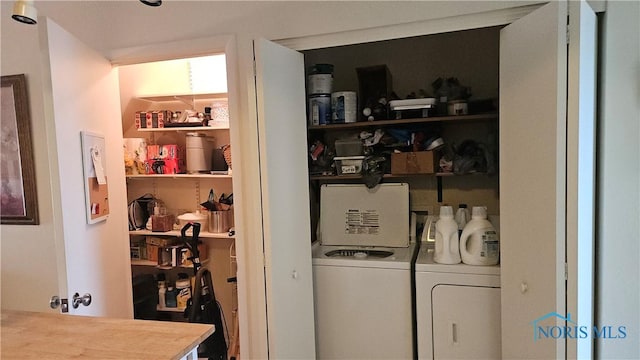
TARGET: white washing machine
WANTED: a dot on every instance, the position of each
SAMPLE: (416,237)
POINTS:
(362,273)
(457,309)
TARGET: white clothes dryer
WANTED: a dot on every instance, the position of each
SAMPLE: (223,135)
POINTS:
(457,309)
(362,273)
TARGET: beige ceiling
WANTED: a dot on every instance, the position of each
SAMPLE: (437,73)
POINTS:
(110,25)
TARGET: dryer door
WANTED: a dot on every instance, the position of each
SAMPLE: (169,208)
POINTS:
(466,322)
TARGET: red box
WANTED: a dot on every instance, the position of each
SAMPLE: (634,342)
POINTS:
(164,166)
(170,152)
(164,159)
(152,119)
(153,151)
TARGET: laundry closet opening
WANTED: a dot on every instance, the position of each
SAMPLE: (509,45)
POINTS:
(466,66)
(417,114)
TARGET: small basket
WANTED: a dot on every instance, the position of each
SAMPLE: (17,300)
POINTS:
(226,151)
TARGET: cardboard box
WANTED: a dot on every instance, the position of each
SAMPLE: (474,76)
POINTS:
(162,223)
(373,82)
(203,251)
(160,241)
(421,162)
(152,252)
(152,119)
(164,159)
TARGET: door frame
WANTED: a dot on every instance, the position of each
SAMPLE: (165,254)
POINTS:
(244,128)
(429,27)
(250,273)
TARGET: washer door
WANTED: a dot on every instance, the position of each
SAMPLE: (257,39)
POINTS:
(466,322)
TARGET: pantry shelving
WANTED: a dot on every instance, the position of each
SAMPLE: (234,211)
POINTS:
(180,176)
(177,86)
(187,128)
(182,97)
(139,262)
(176,233)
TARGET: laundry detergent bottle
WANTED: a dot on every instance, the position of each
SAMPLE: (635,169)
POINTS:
(446,249)
(479,244)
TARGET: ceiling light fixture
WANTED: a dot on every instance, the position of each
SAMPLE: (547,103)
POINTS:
(25,12)
(154,3)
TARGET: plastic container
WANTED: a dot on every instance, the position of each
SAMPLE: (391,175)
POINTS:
(197,216)
(183,288)
(462,217)
(170,297)
(199,152)
(479,243)
(344,107)
(446,248)
(320,79)
(162,290)
(348,147)
(319,109)
(348,165)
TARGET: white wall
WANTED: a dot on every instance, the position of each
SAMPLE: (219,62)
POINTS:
(28,252)
(618,221)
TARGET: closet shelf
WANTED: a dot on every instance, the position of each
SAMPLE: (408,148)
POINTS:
(176,233)
(224,126)
(138,262)
(378,123)
(387,176)
(179,97)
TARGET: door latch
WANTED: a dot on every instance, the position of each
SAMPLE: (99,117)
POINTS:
(56,302)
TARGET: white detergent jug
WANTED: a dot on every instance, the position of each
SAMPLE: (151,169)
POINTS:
(479,244)
(446,249)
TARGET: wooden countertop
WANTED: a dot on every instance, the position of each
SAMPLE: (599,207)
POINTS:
(31,335)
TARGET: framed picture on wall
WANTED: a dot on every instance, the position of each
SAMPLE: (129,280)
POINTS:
(19,203)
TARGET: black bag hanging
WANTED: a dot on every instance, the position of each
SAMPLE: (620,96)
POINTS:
(206,310)
(203,307)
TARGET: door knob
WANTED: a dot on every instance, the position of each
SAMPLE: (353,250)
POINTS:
(54,302)
(84,300)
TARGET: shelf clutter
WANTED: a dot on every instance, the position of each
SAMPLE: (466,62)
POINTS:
(163,252)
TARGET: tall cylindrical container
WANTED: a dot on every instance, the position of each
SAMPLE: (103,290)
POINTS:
(162,289)
(479,243)
(319,87)
(344,107)
(320,109)
(199,152)
(183,288)
(446,249)
(320,79)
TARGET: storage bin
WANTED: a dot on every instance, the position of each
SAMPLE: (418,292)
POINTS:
(350,147)
(349,165)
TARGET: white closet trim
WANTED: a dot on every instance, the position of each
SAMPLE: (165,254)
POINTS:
(417,28)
